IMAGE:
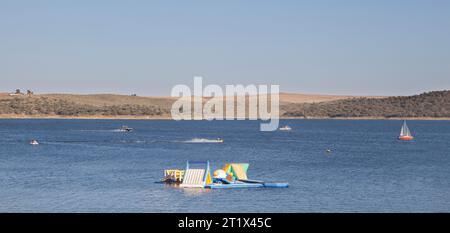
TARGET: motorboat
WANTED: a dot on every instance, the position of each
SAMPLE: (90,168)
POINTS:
(34,142)
(125,128)
(285,128)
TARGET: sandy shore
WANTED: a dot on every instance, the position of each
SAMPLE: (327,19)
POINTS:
(165,117)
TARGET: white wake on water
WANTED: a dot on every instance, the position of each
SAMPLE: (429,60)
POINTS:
(204,140)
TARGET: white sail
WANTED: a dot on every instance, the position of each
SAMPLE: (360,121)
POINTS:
(405,130)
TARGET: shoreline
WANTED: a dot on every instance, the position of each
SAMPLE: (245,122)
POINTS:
(129,117)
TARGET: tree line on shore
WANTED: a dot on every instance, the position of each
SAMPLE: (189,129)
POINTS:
(429,104)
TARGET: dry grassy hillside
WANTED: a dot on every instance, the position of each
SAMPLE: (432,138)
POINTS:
(290,98)
(429,105)
(98,105)
(113,99)
(435,104)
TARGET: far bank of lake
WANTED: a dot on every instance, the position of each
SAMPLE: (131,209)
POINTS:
(166,117)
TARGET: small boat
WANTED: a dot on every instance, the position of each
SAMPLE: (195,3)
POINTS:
(405,134)
(285,128)
(125,128)
(34,142)
(220,140)
(173,176)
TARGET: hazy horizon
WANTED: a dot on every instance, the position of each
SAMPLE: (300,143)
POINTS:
(376,48)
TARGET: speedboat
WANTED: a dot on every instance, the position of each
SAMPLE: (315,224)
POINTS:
(285,128)
(34,142)
(125,128)
(220,140)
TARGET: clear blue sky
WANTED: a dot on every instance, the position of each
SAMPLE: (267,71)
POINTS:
(332,47)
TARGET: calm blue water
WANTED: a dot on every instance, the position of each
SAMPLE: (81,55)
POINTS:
(85,166)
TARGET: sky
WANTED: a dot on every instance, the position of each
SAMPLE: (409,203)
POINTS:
(343,47)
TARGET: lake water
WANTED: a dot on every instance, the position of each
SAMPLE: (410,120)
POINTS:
(87,166)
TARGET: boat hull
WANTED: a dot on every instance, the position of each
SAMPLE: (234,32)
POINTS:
(405,138)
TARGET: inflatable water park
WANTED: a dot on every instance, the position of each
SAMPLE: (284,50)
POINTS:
(232,175)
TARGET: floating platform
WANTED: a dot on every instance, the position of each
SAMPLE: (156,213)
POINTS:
(276,185)
(247,185)
(233,175)
(234,185)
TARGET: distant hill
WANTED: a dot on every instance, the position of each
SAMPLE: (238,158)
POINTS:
(110,105)
(294,98)
(84,105)
(434,104)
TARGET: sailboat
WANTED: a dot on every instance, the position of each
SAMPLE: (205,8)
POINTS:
(405,134)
